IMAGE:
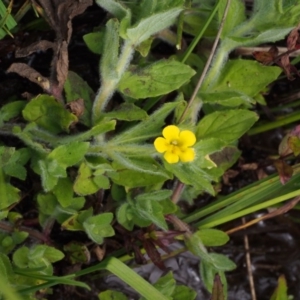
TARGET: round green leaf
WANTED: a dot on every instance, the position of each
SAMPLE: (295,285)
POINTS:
(98,227)
(45,111)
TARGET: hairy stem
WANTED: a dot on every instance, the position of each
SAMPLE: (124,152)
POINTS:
(109,86)
(208,63)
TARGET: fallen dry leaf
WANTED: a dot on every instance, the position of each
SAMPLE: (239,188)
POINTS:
(261,174)
(59,15)
(228,175)
(266,57)
(100,252)
(288,69)
(27,96)
(290,143)
(42,45)
(251,166)
(217,290)
(282,60)
(284,170)
(31,74)
(293,41)
(77,107)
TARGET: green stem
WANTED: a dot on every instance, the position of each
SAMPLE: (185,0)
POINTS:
(216,66)
(207,65)
(45,136)
(284,107)
(109,86)
(129,276)
(254,189)
(50,281)
(225,47)
(256,192)
(7,128)
(23,10)
(127,148)
(28,140)
(249,210)
(36,288)
(200,34)
(4,226)
(278,123)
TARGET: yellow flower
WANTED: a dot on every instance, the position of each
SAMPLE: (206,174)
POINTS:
(175,144)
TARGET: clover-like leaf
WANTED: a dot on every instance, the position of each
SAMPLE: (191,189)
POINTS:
(87,182)
(45,111)
(98,227)
(8,193)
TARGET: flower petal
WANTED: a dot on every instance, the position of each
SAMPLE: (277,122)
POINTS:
(187,138)
(161,145)
(176,150)
(171,158)
(187,155)
(171,133)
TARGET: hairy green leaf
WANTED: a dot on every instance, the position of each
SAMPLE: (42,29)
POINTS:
(184,292)
(70,154)
(5,267)
(116,8)
(157,79)
(166,284)
(11,110)
(222,262)
(152,24)
(152,211)
(226,125)
(8,193)
(237,74)
(128,112)
(76,88)
(98,227)
(87,182)
(280,292)
(207,272)
(125,216)
(148,128)
(138,172)
(110,51)
(191,174)
(235,16)
(112,295)
(64,191)
(94,41)
(45,111)
(212,237)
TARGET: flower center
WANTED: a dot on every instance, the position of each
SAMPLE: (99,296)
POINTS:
(174,143)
